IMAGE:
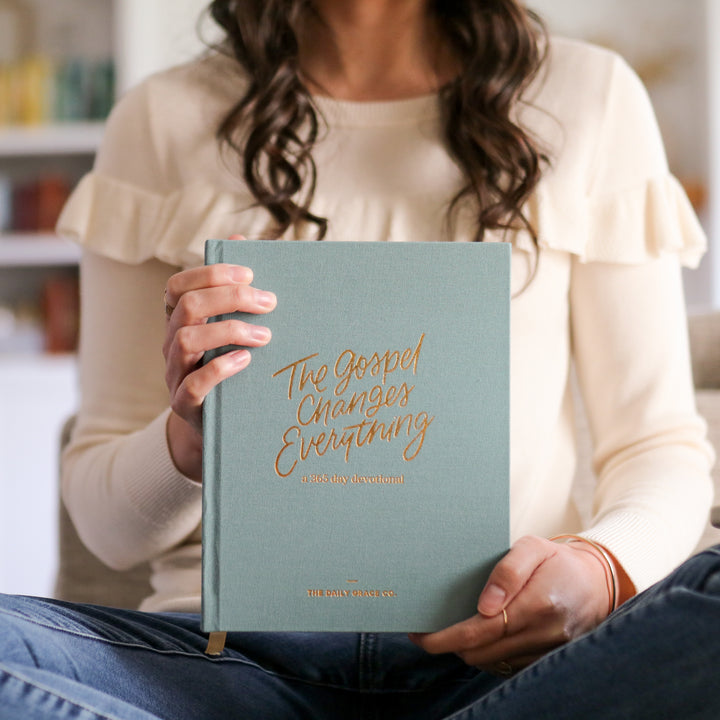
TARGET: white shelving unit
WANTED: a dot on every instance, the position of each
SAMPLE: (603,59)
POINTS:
(76,141)
(37,250)
(80,138)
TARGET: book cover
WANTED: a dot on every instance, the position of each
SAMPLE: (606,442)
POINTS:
(355,474)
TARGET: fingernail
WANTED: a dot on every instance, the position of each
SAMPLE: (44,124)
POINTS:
(260,334)
(265,300)
(239,358)
(492,600)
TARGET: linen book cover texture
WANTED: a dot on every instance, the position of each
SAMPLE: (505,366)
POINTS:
(355,474)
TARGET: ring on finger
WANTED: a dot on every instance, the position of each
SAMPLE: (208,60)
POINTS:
(504,668)
(168,308)
(505,621)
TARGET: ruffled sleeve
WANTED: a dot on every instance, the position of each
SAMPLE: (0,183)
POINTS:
(630,226)
(131,224)
(616,202)
(160,188)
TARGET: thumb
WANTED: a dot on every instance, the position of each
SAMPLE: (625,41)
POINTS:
(512,573)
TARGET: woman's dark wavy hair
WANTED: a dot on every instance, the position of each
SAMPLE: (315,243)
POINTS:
(273,127)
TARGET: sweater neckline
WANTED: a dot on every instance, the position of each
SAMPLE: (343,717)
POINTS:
(377,112)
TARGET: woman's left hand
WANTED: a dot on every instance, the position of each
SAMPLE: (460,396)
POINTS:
(550,593)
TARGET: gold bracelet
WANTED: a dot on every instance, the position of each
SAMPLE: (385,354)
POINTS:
(608,561)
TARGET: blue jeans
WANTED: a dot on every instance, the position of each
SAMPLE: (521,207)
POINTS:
(657,657)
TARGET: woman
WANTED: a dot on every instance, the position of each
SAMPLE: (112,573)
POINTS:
(402,120)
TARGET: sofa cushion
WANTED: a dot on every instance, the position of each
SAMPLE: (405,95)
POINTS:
(708,403)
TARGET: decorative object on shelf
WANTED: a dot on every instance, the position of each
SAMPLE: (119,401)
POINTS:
(37,90)
(61,313)
(47,324)
(5,203)
(696,191)
(84,89)
(17,29)
(36,204)
(21,329)
(44,86)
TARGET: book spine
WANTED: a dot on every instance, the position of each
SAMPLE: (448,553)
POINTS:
(211,493)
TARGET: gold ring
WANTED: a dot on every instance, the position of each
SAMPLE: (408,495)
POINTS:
(504,668)
(505,620)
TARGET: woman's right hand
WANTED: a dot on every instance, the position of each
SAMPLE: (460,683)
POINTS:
(196,295)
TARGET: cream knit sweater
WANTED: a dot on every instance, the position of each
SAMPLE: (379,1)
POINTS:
(614,227)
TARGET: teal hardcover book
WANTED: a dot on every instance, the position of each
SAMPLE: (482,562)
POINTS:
(355,474)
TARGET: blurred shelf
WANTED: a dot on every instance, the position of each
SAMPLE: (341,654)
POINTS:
(37,250)
(72,138)
(31,362)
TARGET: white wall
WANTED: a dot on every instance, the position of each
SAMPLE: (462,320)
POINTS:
(673,44)
(713,47)
(153,34)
